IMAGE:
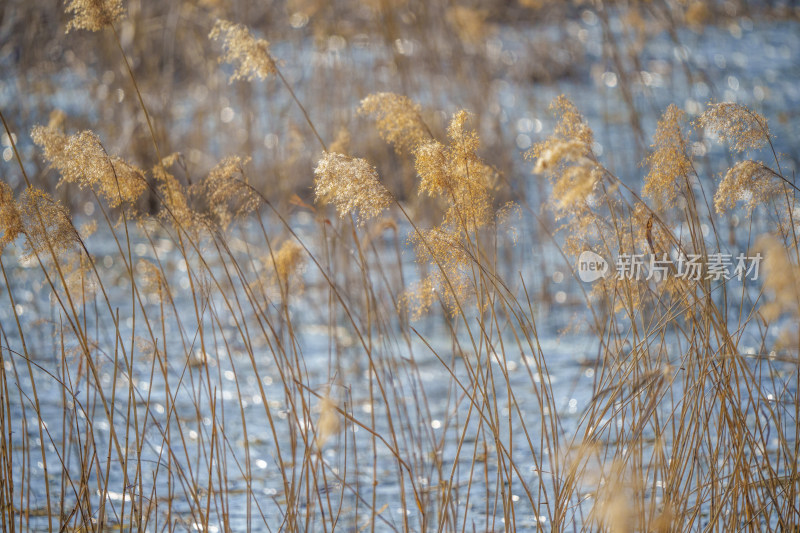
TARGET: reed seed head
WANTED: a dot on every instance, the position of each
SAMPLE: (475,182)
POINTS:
(56,120)
(574,186)
(250,55)
(175,203)
(781,279)
(456,174)
(328,424)
(227,192)
(81,159)
(566,159)
(571,124)
(449,261)
(748,181)
(47,225)
(352,185)
(153,281)
(341,143)
(469,23)
(418,298)
(669,163)
(289,260)
(10,217)
(398,119)
(508,217)
(81,283)
(93,15)
(736,124)
(554,153)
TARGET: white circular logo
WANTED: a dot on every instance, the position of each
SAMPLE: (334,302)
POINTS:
(591,266)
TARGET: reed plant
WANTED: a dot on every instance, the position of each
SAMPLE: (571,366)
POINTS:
(204,352)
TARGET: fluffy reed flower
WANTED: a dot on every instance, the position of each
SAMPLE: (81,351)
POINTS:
(81,159)
(153,282)
(341,144)
(583,232)
(460,178)
(250,55)
(42,220)
(781,279)
(469,23)
(574,186)
(573,174)
(571,137)
(46,224)
(440,246)
(418,298)
(56,120)
(10,217)
(749,181)
(88,229)
(665,520)
(449,262)
(289,260)
(571,124)
(566,159)
(328,423)
(612,503)
(352,185)
(669,163)
(93,15)
(175,202)
(464,142)
(227,192)
(398,120)
(507,216)
(432,166)
(554,153)
(80,280)
(456,174)
(736,124)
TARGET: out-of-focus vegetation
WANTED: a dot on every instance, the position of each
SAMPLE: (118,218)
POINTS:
(315,266)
